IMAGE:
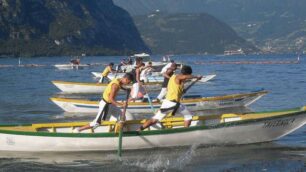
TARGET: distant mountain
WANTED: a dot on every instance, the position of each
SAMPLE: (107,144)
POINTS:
(66,27)
(276,25)
(188,34)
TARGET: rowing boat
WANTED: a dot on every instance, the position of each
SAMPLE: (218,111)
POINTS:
(90,87)
(119,74)
(150,79)
(194,103)
(70,66)
(155,77)
(225,129)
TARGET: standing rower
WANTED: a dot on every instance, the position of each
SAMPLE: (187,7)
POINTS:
(167,75)
(108,105)
(107,70)
(172,102)
(146,71)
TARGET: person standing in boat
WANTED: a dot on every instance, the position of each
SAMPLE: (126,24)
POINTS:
(107,70)
(167,75)
(137,83)
(108,105)
(145,72)
(172,102)
(138,92)
(137,71)
(164,69)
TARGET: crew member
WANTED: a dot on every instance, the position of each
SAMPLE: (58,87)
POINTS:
(172,102)
(107,70)
(108,105)
(167,75)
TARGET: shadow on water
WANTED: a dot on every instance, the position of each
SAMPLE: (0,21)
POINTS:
(254,157)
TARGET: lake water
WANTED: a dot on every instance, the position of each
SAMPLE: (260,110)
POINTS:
(25,93)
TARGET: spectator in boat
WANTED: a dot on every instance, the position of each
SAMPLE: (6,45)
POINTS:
(167,75)
(107,70)
(76,61)
(146,71)
(108,104)
(172,102)
(122,63)
(130,61)
(139,60)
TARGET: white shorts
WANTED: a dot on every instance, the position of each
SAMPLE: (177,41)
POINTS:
(113,112)
(182,110)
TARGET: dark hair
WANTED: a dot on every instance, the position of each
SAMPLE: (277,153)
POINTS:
(111,64)
(129,76)
(186,70)
(172,61)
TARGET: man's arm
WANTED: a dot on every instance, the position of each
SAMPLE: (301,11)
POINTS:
(167,73)
(180,78)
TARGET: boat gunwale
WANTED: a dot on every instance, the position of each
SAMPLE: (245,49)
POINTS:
(93,83)
(296,112)
(187,100)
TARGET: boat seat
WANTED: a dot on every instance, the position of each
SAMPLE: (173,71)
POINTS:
(229,117)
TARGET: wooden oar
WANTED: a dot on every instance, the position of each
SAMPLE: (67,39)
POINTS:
(189,86)
(121,123)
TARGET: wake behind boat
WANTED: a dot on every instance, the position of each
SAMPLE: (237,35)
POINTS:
(204,130)
(194,103)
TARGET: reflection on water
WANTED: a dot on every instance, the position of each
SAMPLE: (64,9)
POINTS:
(256,157)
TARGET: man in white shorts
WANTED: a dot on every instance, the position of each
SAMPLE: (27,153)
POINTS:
(167,75)
(108,105)
(172,102)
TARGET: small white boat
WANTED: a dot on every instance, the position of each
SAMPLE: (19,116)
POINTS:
(193,103)
(161,78)
(70,66)
(145,59)
(153,78)
(226,129)
(89,87)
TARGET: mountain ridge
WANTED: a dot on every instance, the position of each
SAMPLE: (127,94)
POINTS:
(71,27)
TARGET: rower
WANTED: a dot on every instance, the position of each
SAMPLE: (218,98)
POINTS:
(107,70)
(164,69)
(136,72)
(167,75)
(172,102)
(108,105)
(146,71)
(138,92)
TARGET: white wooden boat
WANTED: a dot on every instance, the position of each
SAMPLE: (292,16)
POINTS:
(193,103)
(226,129)
(120,74)
(70,66)
(90,87)
(155,77)
(161,78)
